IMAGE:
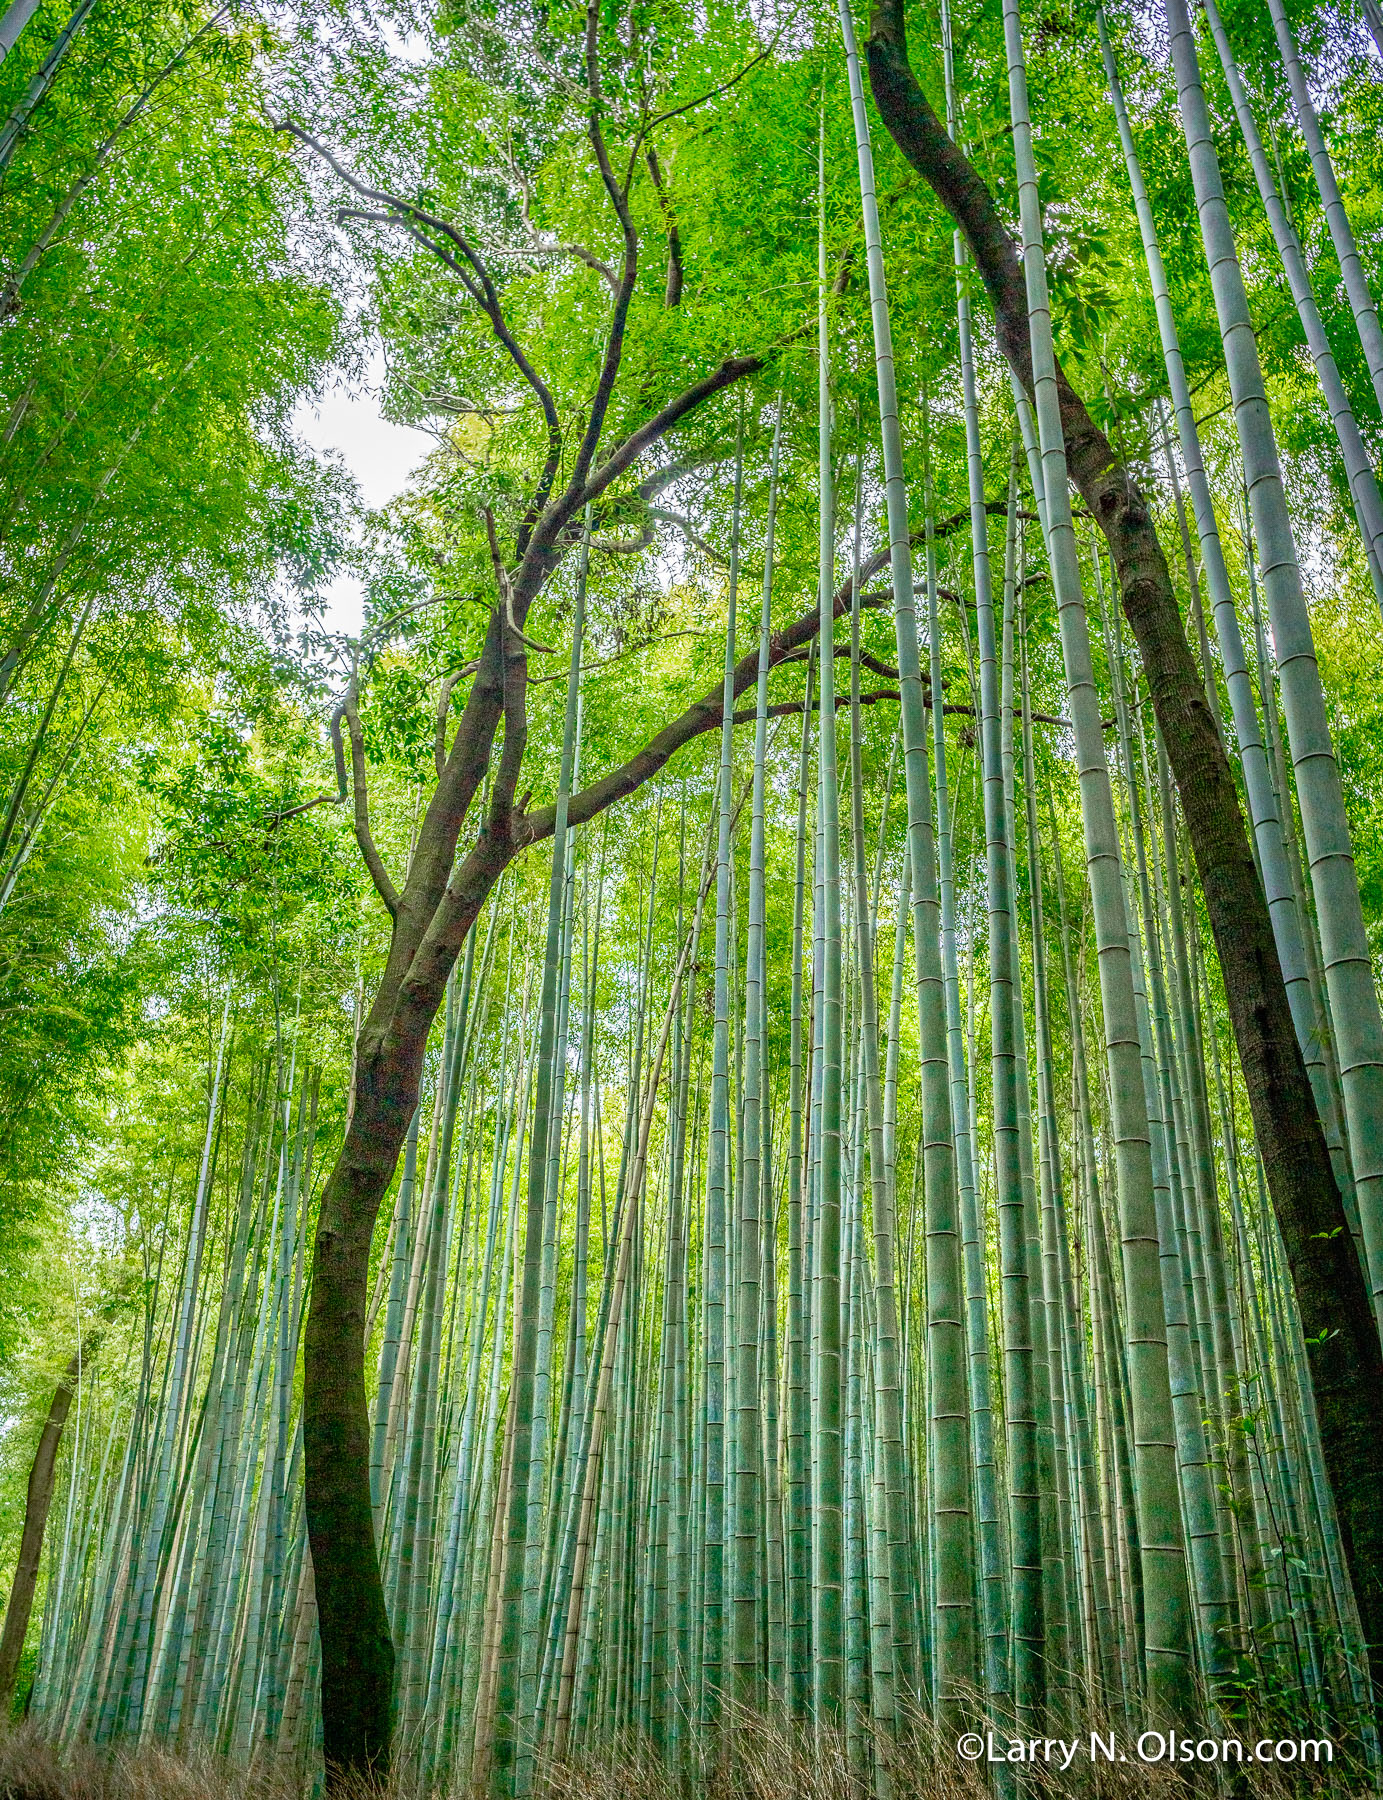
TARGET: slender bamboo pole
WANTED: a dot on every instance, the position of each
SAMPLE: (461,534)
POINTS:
(953,1623)
(1169,1645)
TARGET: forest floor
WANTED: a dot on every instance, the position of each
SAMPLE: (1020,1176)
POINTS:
(766,1766)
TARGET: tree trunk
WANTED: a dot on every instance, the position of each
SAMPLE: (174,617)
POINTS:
(1346,1362)
(357,1650)
(431,919)
(36,1506)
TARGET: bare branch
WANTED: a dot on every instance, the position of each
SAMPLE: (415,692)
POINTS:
(384,887)
(475,277)
(275,819)
(591,260)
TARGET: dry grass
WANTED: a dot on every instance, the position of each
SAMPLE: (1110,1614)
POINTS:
(765,1761)
(32,1769)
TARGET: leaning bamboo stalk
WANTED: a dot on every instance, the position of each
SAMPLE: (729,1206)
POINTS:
(1361,300)
(1354,1008)
(992,1583)
(745,1586)
(516,1678)
(472,1645)
(1050,1315)
(1054,1621)
(175,1405)
(892,1653)
(828,1545)
(1120,1681)
(1359,473)
(1216,1611)
(1020,1419)
(719,1179)
(797,1407)
(661,1661)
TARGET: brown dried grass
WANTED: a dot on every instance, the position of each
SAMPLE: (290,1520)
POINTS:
(763,1759)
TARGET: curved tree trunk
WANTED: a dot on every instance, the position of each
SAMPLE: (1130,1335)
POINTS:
(431,919)
(36,1504)
(1346,1363)
(357,1651)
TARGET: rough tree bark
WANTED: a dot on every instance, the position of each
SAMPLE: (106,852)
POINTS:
(1345,1359)
(37,1501)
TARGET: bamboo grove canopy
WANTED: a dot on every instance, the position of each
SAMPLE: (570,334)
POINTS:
(750,1124)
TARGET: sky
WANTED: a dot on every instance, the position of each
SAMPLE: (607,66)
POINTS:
(380,456)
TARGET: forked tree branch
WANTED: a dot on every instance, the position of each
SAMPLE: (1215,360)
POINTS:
(466,263)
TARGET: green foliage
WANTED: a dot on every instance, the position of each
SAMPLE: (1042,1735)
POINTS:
(262,881)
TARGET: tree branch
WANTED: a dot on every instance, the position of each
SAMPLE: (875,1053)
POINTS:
(733,369)
(614,342)
(384,887)
(672,295)
(475,277)
(702,715)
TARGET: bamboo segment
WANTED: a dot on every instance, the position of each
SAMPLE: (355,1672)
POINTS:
(1354,1008)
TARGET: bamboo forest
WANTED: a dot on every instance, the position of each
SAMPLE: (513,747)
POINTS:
(691,1069)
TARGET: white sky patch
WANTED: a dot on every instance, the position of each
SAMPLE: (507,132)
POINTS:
(380,455)
(407,46)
